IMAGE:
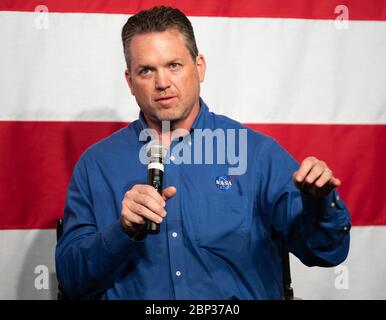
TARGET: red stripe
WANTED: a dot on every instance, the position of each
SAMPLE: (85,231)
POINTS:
(36,165)
(305,9)
(38,158)
(355,153)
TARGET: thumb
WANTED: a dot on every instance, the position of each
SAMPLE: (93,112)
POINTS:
(169,192)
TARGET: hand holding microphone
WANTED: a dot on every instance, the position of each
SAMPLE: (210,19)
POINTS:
(143,205)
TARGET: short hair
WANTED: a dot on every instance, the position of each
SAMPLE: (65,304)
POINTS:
(158,19)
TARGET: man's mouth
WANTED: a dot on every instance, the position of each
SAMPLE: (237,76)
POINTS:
(165,99)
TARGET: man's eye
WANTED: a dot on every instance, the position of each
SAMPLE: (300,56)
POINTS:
(144,71)
(174,65)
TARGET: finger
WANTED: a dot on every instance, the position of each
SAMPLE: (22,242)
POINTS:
(324,178)
(294,178)
(149,202)
(143,200)
(317,170)
(144,212)
(169,192)
(151,191)
(305,168)
(335,181)
(131,218)
(328,177)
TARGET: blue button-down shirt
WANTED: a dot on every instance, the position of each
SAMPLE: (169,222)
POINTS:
(218,240)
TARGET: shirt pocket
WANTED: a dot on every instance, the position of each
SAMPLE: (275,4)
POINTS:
(220,221)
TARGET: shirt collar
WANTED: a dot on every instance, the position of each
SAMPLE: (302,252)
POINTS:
(202,114)
(141,121)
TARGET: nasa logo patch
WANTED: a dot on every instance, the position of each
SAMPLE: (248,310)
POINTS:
(224,182)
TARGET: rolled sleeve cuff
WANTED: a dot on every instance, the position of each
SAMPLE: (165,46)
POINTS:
(330,210)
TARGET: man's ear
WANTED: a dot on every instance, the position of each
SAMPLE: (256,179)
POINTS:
(201,66)
(129,80)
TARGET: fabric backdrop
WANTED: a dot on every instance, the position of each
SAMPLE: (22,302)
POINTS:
(310,73)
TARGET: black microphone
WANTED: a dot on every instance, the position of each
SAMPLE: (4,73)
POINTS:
(156,153)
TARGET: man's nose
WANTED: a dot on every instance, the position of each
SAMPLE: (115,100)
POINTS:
(162,81)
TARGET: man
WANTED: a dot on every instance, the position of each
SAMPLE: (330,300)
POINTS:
(218,233)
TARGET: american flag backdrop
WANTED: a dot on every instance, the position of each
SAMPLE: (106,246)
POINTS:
(310,73)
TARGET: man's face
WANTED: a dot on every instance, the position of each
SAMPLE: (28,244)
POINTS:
(164,78)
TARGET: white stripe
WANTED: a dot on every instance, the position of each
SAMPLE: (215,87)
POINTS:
(21,251)
(259,70)
(364,269)
(155,165)
(21,254)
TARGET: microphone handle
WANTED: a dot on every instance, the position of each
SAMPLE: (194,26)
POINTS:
(155,179)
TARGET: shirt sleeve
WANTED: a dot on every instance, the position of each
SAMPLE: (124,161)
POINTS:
(322,230)
(88,259)
(315,230)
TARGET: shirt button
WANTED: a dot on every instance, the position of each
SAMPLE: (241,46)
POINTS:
(174,234)
(332,205)
(337,198)
(178,273)
(172,158)
(345,228)
(190,143)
